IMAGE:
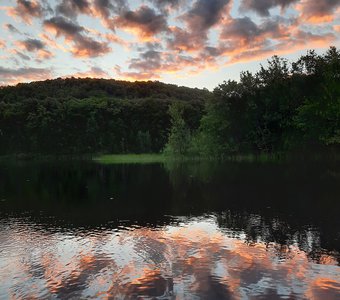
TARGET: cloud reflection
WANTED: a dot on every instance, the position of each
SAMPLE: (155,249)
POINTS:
(189,258)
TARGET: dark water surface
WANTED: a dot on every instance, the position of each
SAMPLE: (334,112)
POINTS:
(81,230)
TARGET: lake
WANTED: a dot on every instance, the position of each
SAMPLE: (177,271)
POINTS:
(194,230)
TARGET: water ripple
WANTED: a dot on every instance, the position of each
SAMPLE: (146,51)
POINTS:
(188,258)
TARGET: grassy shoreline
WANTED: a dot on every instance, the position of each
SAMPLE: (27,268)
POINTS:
(163,158)
(151,158)
(130,158)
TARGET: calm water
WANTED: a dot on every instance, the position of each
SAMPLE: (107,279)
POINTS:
(82,230)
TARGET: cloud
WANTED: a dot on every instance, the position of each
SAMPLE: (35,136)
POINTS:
(244,31)
(105,8)
(132,76)
(21,55)
(31,45)
(144,22)
(117,40)
(12,28)
(52,42)
(241,36)
(152,64)
(242,40)
(241,28)
(36,46)
(71,8)
(87,47)
(149,60)
(26,10)
(296,41)
(184,40)
(44,54)
(94,72)
(199,19)
(109,37)
(145,66)
(2,44)
(205,14)
(63,27)
(262,7)
(82,45)
(166,5)
(318,11)
(13,76)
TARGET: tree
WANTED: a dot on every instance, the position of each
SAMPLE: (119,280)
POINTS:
(179,137)
(281,108)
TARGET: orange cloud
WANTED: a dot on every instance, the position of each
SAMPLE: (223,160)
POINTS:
(26,10)
(256,44)
(71,8)
(151,65)
(320,11)
(144,23)
(44,54)
(52,43)
(88,47)
(35,46)
(336,28)
(117,40)
(81,44)
(286,47)
(2,44)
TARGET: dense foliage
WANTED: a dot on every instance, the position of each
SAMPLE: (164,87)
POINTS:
(283,107)
(72,116)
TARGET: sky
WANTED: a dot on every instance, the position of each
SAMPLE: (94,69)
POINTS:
(196,43)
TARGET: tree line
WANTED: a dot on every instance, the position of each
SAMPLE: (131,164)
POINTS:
(284,107)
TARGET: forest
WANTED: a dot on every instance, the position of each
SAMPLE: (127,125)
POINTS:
(84,116)
(284,107)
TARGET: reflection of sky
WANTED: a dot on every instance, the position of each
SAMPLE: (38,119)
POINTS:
(125,51)
(192,258)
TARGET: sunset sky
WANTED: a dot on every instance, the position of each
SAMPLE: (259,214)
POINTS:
(197,43)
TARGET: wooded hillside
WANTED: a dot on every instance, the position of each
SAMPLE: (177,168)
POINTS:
(72,116)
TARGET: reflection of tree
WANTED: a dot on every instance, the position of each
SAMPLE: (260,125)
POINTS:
(285,203)
(275,231)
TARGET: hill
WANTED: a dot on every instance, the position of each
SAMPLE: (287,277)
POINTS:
(89,87)
(92,115)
